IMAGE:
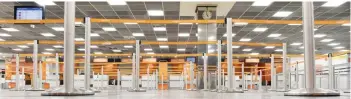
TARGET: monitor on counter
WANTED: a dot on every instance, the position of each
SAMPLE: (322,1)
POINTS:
(29,13)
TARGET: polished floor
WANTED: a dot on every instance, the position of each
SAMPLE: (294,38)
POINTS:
(169,94)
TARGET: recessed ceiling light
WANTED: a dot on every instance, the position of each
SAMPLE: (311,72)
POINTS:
(44,2)
(254,53)
(98,53)
(115,50)
(274,35)
(10,29)
(211,50)
(148,49)
(116,2)
(46,53)
(162,39)
(245,39)
(240,23)
(150,53)
(2,39)
(319,35)
(109,29)
(94,35)
(183,34)
(81,49)
(327,40)
(333,3)
(17,49)
(282,14)
(155,12)
(94,46)
(79,39)
(294,24)
(247,50)
(262,3)
(344,50)
(296,44)
(346,24)
(159,29)
(58,46)
(235,46)
(259,29)
(128,46)
(181,49)
(129,23)
(269,47)
(4,35)
(138,34)
(197,34)
(58,28)
(50,49)
(212,38)
(23,46)
(225,35)
(163,46)
(278,50)
(301,47)
(48,34)
(339,47)
(185,23)
(333,44)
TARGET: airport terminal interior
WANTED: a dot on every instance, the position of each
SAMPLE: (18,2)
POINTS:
(177,49)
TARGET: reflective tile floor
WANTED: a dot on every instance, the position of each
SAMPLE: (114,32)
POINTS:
(169,94)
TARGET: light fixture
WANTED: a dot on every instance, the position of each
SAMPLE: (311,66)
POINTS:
(262,3)
(115,50)
(183,34)
(17,49)
(148,49)
(327,40)
(185,23)
(163,46)
(278,50)
(44,2)
(269,47)
(333,44)
(78,23)
(235,46)
(94,35)
(333,3)
(129,23)
(181,49)
(339,47)
(58,28)
(155,12)
(247,50)
(81,49)
(211,50)
(116,2)
(344,50)
(2,39)
(282,14)
(346,24)
(98,53)
(58,46)
(10,29)
(128,46)
(197,34)
(274,35)
(23,46)
(225,35)
(4,35)
(46,53)
(47,34)
(109,29)
(50,49)
(319,35)
(259,29)
(138,34)
(240,23)
(162,39)
(212,38)
(296,44)
(79,39)
(254,53)
(294,24)
(245,39)
(301,47)
(94,46)
(150,53)
(159,29)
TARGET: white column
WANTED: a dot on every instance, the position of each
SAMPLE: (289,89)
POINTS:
(243,76)
(297,75)
(273,83)
(87,53)
(331,80)
(137,59)
(229,53)
(285,69)
(35,65)
(17,72)
(219,64)
(40,82)
(133,72)
(205,71)
(57,71)
(69,45)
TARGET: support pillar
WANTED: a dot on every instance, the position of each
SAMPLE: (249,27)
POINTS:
(285,70)
(136,68)
(309,57)
(219,66)
(17,87)
(57,71)
(205,72)
(331,72)
(35,68)
(243,77)
(273,75)
(348,76)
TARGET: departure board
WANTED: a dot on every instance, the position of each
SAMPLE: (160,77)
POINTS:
(29,13)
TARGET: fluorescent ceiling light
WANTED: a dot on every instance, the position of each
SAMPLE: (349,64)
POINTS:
(296,44)
(247,50)
(116,2)
(109,29)
(211,50)
(235,46)
(94,46)
(81,49)
(197,34)
(94,35)
(260,29)
(212,38)
(344,50)
(2,39)
(183,34)
(162,39)
(128,46)
(333,44)
(327,40)
(262,3)
(79,39)
(301,47)
(44,2)
(225,35)
(129,23)
(148,49)
(10,29)
(278,50)
(150,53)
(163,46)
(98,53)
(58,46)
(282,14)
(254,53)
(346,24)
(48,34)
(240,23)
(269,47)
(274,35)
(339,47)
(58,28)
(245,39)
(23,46)
(294,24)
(159,29)
(78,23)
(181,49)
(185,23)
(46,53)
(333,3)
(115,50)
(17,49)
(4,35)
(138,34)
(155,12)
(319,35)
(50,49)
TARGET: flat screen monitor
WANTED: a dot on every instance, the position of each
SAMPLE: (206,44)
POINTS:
(191,59)
(29,13)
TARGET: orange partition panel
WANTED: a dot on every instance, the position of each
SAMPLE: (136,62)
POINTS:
(163,74)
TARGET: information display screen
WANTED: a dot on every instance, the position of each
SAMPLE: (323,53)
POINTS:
(29,13)
(190,59)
